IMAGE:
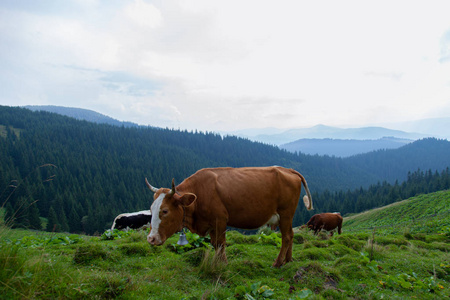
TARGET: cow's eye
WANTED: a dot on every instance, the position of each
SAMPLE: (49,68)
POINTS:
(165,211)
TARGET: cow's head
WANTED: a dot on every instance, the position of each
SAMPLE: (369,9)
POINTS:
(118,223)
(167,213)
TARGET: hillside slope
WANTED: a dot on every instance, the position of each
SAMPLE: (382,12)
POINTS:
(424,213)
(80,114)
(394,164)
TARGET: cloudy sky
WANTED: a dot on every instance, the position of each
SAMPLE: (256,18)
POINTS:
(227,65)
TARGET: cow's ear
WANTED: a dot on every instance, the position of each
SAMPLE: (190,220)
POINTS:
(187,199)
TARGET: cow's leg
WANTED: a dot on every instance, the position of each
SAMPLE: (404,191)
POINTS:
(287,235)
(218,239)
(340,228)
(289,250)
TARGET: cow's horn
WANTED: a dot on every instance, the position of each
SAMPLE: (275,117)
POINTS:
(152,188)
(173,186)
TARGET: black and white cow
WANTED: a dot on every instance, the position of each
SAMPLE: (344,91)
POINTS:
(135,220)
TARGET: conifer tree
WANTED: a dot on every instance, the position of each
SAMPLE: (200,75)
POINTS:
(9,217)
(21,214)
(33,217)
(74,220)
(53,225)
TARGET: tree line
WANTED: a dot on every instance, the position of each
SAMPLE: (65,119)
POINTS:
(79,175)
(379,194)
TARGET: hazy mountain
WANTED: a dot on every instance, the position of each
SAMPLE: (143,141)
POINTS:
(80,114)
(343,148)
(325,132)
(438,127)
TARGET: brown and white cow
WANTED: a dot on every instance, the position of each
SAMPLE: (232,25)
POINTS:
(212,199)
(325,221)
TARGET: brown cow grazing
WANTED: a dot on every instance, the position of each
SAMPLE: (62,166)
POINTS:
(325,221)
(212,199)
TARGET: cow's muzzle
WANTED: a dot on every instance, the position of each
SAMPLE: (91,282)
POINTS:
(154,240)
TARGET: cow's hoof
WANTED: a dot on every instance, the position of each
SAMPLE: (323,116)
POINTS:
(277,264)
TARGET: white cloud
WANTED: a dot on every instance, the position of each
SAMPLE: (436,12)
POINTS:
(233,64)
(144,14)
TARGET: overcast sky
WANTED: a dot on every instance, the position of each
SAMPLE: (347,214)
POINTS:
(227,65)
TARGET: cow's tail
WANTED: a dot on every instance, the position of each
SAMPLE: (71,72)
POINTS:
(307,199)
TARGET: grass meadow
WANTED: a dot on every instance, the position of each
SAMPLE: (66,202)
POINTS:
(396,252)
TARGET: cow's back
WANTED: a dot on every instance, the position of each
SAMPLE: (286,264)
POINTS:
(331,221)
(248,197)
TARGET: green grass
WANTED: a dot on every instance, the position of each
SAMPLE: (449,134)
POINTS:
(421,214)
(3,132)
(392,262)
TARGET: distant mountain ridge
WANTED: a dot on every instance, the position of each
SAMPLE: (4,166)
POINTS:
(326,132)
(438,127)
(343,148)
(81,114)
(333,141)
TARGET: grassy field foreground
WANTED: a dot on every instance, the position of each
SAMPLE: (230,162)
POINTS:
(362,263)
